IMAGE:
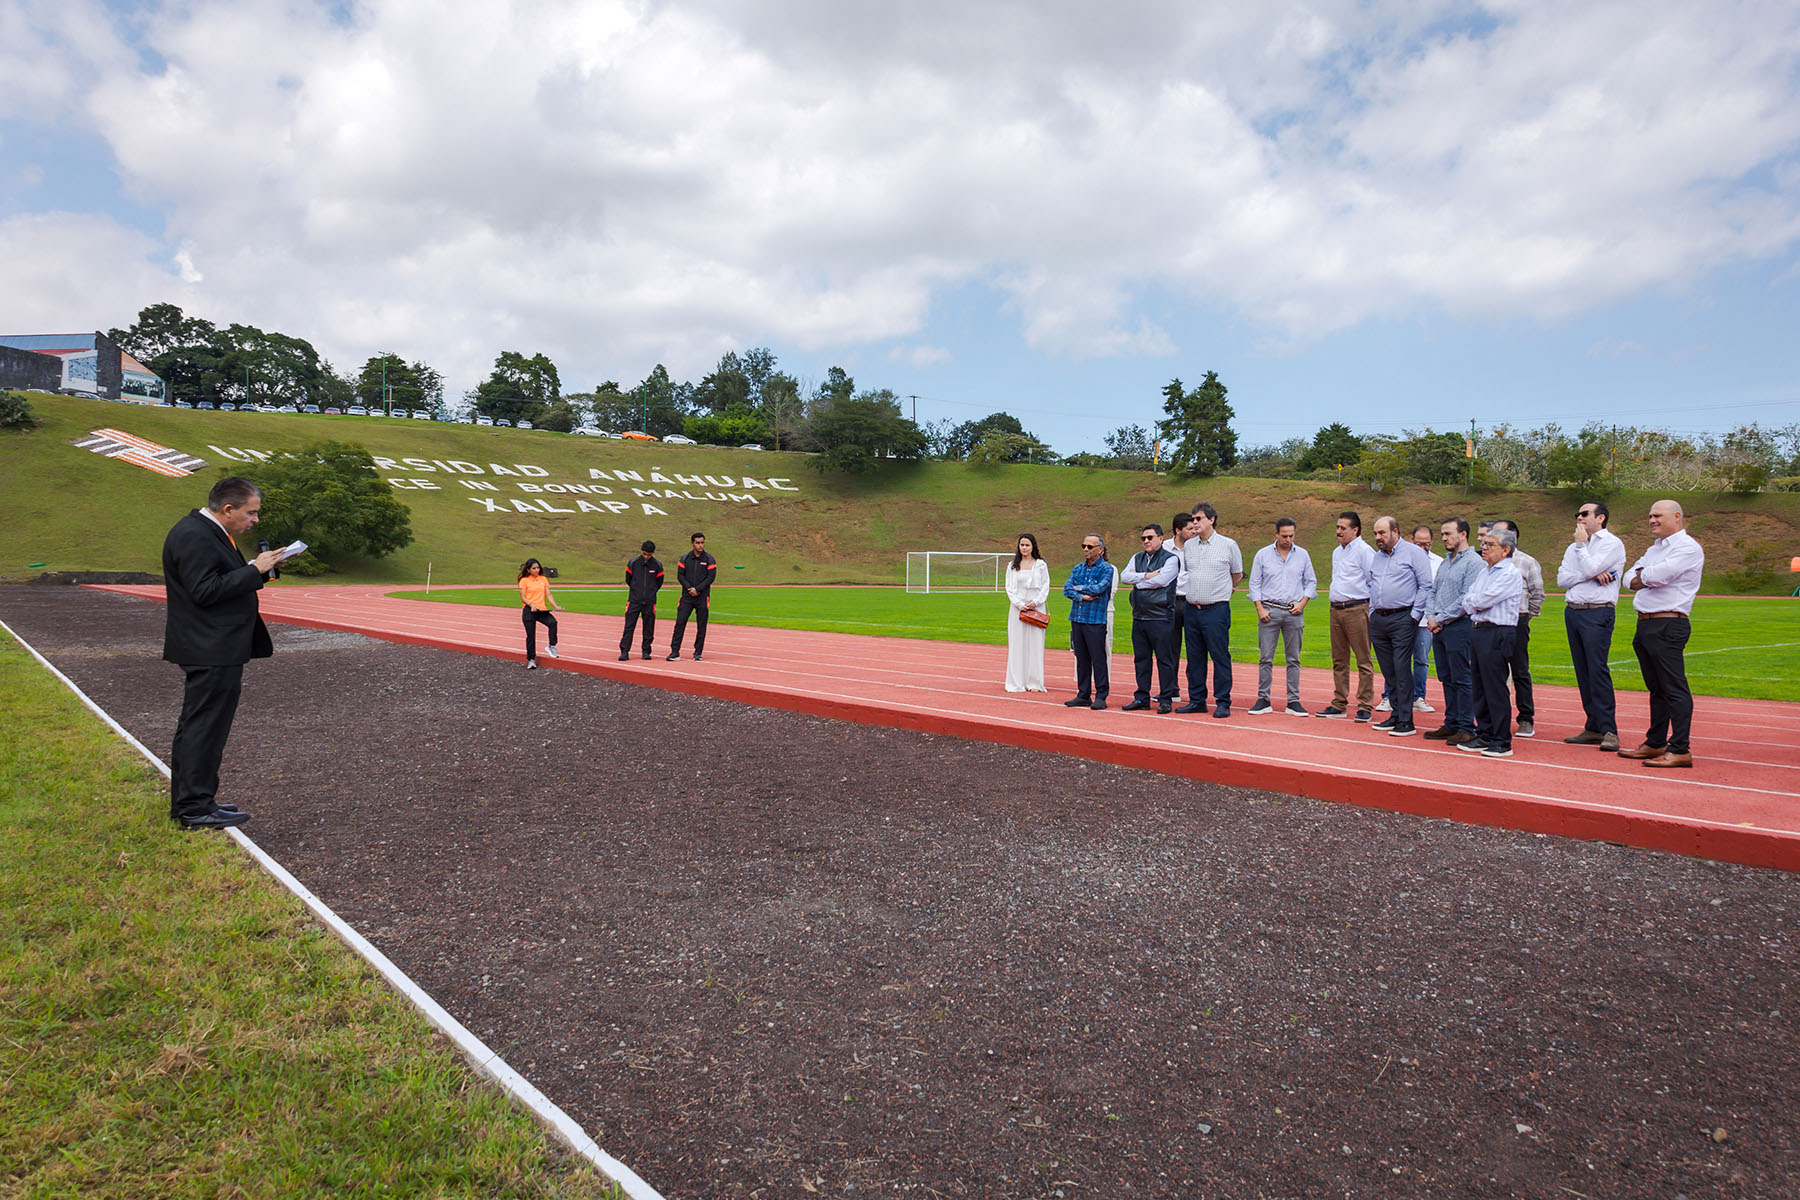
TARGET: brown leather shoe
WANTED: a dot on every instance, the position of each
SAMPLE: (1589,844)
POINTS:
(1586,737)
(1644,751)
(1671,759)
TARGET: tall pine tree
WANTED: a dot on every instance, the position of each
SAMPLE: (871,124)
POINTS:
(1198,426)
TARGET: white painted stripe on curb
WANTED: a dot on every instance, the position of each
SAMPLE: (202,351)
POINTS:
(485,1061)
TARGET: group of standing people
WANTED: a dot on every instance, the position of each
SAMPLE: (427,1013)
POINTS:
(644,578)
(1396,601)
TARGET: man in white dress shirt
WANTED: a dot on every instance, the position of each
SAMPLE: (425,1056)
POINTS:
(1215,566)
(1181,528)
(1663,584)
(1352,569)
(1592,569)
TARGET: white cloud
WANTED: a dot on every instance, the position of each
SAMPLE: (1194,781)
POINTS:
(920,356)
(617,183)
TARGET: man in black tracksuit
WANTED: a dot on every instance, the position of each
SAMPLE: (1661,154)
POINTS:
(643,578)
(694,573)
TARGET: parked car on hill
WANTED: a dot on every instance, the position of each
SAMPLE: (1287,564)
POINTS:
(585,431)
(633,435)
(750,446)
(484,420)
(208,405)
(356,410)
(182,404)
(676,439)
(227,406)
(420,414)
(502,422)
(309,408)
(524,425)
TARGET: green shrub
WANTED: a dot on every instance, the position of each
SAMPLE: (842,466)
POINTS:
(15,412)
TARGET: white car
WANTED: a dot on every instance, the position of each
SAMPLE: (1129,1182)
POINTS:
(584,431)
(675,439)
(484,420)
(420,414)
(524,425)
(357,410)
(750,446)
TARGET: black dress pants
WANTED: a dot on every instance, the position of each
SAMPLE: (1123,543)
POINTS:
(1590,643)
(1093,661)
(1659,644)
(1521,672)
(1492,649)
(1391,635)
(695,605)
(1150,644)
(208,704)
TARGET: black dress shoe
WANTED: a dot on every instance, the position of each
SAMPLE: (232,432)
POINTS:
(674,657)
(646,656)
(623,657)
(696,656)
(1193,707)
(1223,711)
(218,818)
(1098,706)
(1164,706)
(1135,705)
(227,807)
(1077,702)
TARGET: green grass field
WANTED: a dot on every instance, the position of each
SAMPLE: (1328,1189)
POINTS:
(173,1023)
(1742,646)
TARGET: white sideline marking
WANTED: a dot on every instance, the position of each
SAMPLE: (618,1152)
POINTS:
(485,1061)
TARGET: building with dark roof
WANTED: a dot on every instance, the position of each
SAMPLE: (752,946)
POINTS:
(84,364)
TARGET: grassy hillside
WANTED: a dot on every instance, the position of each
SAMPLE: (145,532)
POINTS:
(73,510)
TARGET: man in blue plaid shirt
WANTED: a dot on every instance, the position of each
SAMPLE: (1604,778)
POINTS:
(1089,591)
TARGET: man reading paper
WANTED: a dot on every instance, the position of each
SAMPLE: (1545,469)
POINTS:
(213,628)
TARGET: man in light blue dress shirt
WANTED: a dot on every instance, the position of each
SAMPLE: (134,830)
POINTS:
(1450,633)
(1399,587)
(1492,604)
(1281,583)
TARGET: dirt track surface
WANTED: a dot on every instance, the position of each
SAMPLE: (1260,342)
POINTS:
(767,955)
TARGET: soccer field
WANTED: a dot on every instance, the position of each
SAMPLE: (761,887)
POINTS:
(1742,646)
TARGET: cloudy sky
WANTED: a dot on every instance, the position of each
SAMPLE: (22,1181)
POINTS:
(1396,213)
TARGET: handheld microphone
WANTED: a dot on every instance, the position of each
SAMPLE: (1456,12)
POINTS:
(262,546)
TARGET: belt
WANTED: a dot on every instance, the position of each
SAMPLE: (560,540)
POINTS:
(1278,604)
(1388,612)
(1584,607)
(1208,604)
(1662,616)
(1349,603)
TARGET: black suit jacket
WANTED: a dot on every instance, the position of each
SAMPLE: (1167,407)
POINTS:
(212,612)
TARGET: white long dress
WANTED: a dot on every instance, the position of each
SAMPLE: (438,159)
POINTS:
(1025,643)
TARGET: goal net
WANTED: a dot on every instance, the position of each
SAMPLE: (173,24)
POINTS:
(955,571)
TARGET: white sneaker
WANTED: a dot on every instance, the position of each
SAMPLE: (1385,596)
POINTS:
(1420,705)
(1384,706)
(531,664)
(551,651)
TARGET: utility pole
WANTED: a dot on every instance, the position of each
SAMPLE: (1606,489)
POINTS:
(915,401)
(1471,452)
(387,408)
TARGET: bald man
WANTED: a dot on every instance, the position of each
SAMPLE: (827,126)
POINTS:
(1663,584)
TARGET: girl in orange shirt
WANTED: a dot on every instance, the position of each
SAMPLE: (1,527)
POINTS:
(534,594)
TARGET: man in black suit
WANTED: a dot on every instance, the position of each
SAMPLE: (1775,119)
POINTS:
(213,629)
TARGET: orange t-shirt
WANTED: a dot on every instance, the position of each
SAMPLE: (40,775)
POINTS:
(534,590)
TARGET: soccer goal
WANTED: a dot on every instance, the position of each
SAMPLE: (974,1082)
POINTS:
(955,571)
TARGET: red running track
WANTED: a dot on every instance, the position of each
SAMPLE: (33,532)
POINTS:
(1740,803)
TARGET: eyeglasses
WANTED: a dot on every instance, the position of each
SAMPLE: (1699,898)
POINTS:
(1089,546)
(1146,537)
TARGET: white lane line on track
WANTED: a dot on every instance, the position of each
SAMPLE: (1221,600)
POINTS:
(485,1061)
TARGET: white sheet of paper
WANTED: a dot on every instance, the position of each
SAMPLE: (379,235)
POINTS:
(292,548)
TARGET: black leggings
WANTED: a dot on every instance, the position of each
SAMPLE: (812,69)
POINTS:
(531,617)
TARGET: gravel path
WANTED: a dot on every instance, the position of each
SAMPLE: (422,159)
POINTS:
(760,954)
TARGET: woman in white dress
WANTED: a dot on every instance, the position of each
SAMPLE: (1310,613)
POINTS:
(1027,588)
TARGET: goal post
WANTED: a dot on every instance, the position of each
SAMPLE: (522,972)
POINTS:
(955,571)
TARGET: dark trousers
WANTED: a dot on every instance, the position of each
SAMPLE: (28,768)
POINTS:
(633,610)
(1209,637)
(1590,641)
(1491,647)
(208,704)
(695,605)
(1150,644)
(1521,671)
(1391,634)
(1177,628)
(533,618)
(1659,645)
(1093,660)
(1455,671)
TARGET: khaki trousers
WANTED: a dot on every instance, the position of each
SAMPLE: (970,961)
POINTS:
(1350,635)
